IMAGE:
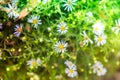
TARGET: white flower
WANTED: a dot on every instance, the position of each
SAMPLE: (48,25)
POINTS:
(98,69)
(12,11)
(33,76)
(60,47)
(98,28)
(62,28)
(89,17)
(18,30)
(100,39)
(86,38)
(71,72)
(69,4)
(97,66)
(117,28)
(35,21)
(34,63)
(101,71)
(69,64)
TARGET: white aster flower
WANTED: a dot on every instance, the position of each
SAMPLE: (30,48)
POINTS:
(34,63)
(117,28)
(100,39)
(68,4)
(97,66)
(101,71)
(86,38)
(98,69)
(12,11)
(33,76)
(69,64)
(35,20)
(60,47)
(98,28)
(18,30)
(89,17)
(62,27)
(71,72)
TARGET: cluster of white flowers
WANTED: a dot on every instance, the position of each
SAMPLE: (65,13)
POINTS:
(98,30)
(61,46)
(62,28)
(99,69)
(35,22)
(71,70)
(117,28)
(12,11)
(34,63)
(99,36)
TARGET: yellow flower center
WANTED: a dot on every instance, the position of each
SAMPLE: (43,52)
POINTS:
(96,28)
(19,29)
(85,38)
(11,10)
(100,39)
(69,2)
(61,46)
(71,71)
(62,28)
(35,21)
(118,26)
(81,44)
(34,63)
(100,70)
